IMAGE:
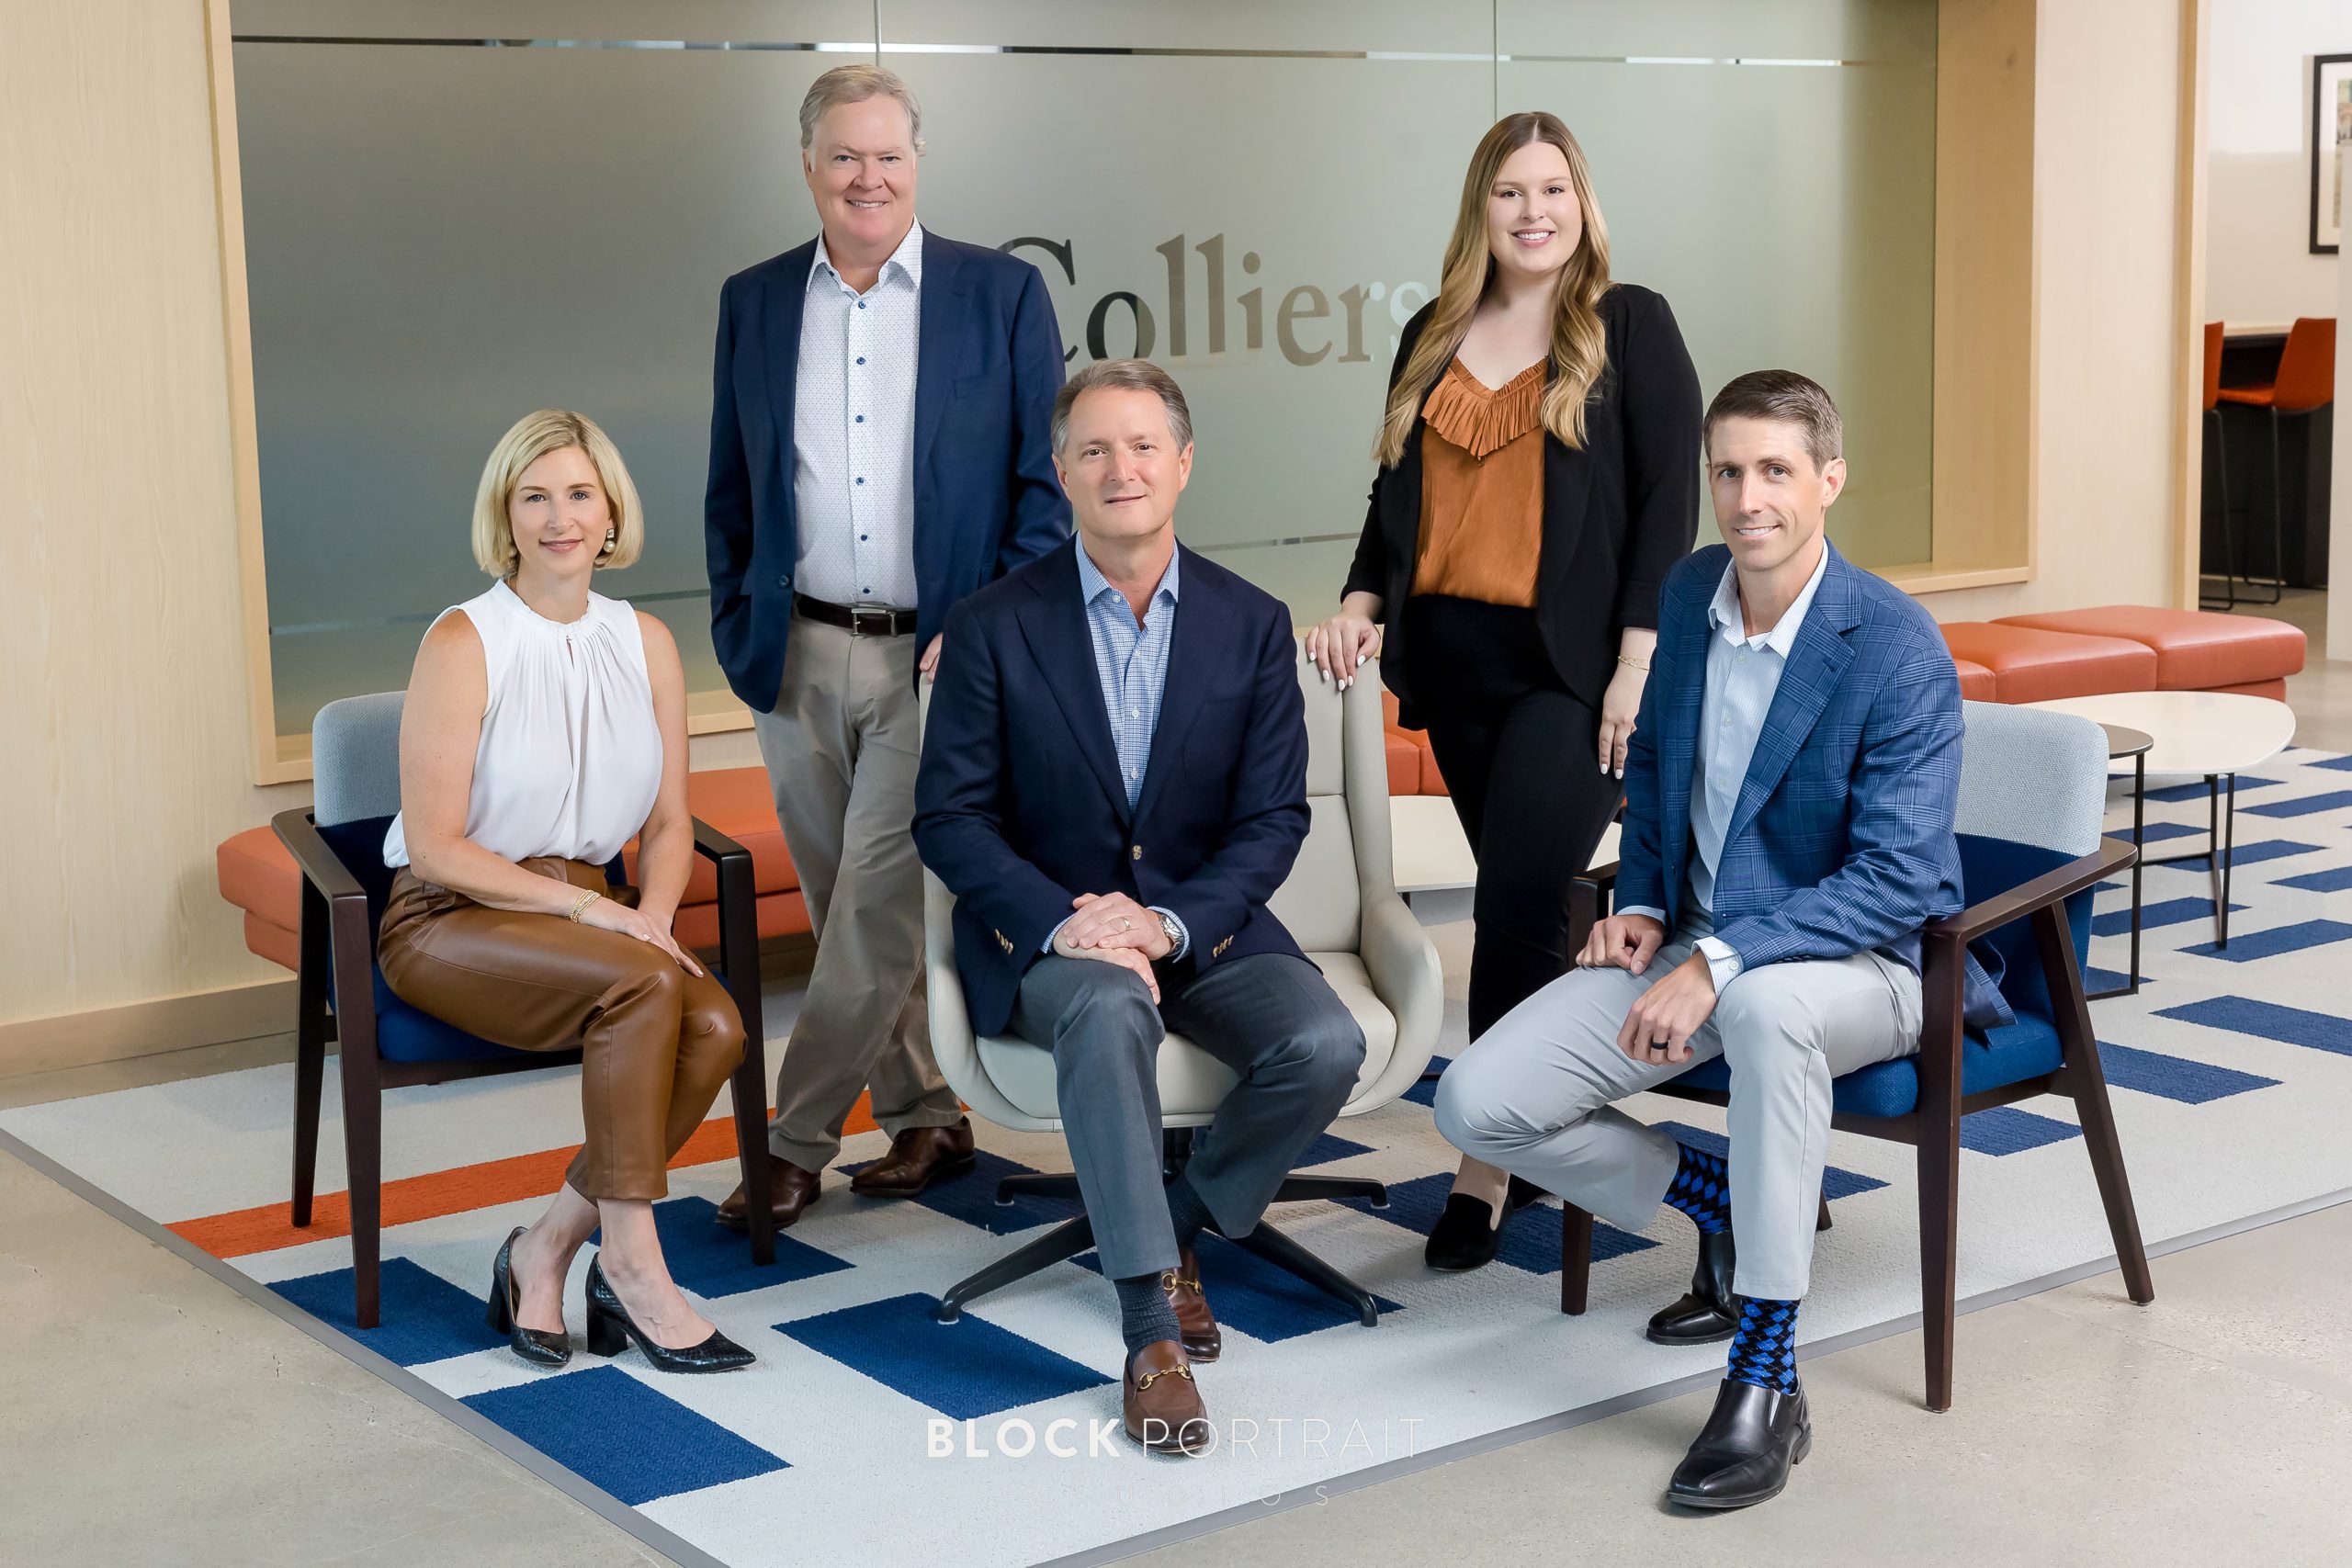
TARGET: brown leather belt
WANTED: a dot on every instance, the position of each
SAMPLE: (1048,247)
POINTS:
(860,620)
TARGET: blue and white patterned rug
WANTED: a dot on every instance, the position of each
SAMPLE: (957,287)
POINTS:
(870,1432)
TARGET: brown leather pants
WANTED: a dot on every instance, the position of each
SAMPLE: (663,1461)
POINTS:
(657,1043)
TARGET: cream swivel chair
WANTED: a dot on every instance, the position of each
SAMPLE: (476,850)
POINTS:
(1341,906)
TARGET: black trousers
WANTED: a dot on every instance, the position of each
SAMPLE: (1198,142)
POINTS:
(1521,757)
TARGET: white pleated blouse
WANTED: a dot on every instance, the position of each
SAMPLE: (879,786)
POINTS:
(569,759)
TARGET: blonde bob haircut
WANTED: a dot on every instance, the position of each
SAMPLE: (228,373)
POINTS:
(534,436)
(1579,350)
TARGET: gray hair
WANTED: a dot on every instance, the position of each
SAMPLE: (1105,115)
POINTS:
(855,84)
(1125,375)
(1785,398)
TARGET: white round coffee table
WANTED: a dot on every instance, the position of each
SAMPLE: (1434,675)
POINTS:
(2214,735)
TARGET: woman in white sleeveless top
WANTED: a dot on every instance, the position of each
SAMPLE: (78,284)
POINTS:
(546,727)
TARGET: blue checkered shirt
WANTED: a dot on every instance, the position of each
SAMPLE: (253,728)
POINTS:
(1131,666)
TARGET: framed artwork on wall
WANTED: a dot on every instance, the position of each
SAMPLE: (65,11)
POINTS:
(2331,139)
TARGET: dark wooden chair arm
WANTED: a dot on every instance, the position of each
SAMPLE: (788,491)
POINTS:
(322,867)
(2051,888)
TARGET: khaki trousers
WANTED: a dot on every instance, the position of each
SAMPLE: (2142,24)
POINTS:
(657,1043)
(840,749)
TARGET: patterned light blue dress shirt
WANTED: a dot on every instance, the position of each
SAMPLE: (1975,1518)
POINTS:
(854,432)
(1743,676)
(1131,666)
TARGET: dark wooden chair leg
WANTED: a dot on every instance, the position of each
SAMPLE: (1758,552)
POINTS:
(1821,1221)
(1939,1154)
(739,956)
(2086,1081)
(311,1024)
(1576,1257)
(362,1156)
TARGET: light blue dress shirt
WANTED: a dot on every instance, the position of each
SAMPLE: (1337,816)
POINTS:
(1743,676)
(854,432)
(1131,668)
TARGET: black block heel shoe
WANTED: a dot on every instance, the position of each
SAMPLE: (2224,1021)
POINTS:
(610,1328)
(535,1346)
(1463,1239)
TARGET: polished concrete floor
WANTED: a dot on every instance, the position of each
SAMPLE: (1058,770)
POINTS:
(150,1414)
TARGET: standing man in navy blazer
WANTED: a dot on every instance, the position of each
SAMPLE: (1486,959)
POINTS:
(1789,801)
(877,451)
(1114,784)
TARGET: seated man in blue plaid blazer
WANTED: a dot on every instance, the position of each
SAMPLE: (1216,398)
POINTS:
(1788,830)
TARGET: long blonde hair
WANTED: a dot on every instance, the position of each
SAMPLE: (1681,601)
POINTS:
(1579,344)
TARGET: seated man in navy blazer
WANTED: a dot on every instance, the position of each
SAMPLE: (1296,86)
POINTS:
(1789,800)
(1114,782)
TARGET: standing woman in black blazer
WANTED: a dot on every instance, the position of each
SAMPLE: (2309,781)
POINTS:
(1539,474)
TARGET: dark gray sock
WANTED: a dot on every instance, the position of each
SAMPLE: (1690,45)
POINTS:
(1185,1209)
(1144,1316)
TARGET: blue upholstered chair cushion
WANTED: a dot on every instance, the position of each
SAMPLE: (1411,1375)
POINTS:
(404,1033)
(1989,1059)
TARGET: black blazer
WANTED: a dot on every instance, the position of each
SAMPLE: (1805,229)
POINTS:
(1618,513)
(1019,807)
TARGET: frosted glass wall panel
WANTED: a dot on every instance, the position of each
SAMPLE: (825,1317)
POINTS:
(1770,168)
(441,236)
(1262,226)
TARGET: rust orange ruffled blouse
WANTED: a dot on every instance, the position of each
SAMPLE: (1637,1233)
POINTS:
(1482,488)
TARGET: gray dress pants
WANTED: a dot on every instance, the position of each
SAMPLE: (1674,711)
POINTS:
(841,751)
(1536,1094)
(1272,1019)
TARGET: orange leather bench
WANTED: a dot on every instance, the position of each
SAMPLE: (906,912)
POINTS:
(1412,767)
(2196,651)
(258,876)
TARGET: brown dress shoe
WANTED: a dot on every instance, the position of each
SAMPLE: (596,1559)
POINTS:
(1163,1409)
(1194,1320)
(918,1156)
(791,1190)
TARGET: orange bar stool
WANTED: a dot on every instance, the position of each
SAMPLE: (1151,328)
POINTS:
(2306,383)
(2220,472)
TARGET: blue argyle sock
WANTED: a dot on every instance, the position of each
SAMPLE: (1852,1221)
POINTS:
(1144,1316)
(1764,1350)
(1701,1189)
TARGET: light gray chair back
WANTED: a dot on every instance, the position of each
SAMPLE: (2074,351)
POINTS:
(2033,777)
(355,759)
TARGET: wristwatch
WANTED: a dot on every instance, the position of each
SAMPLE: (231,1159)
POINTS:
(1174,931)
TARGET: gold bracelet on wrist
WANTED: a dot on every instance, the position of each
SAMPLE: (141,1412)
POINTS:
(581,903)
(1630,664)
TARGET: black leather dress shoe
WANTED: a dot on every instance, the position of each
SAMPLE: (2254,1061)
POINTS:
(1744,1453)
(537,1346)
(610,1328)
(1463,1237)
(1709,1312)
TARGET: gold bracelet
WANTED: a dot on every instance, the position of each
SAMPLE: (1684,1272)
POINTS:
(1630,664)
(581,902)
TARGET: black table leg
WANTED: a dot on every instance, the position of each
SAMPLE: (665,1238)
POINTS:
(2130,987)
(2228,855)
(2138,843)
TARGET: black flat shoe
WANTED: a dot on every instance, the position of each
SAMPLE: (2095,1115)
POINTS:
(1709,1312)
(610,1328)
(1752,1439)
(535,1346)
(1462,1238)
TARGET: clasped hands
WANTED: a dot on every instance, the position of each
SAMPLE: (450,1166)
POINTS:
(1659,1024)
(1111,928)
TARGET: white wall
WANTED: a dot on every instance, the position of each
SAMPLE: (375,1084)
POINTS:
(2258,265)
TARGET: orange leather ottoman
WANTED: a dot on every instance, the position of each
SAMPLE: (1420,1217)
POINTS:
(257,875)
(737,801)
(1412,766)
(1976,683)
(2031,665)
(2197,650)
